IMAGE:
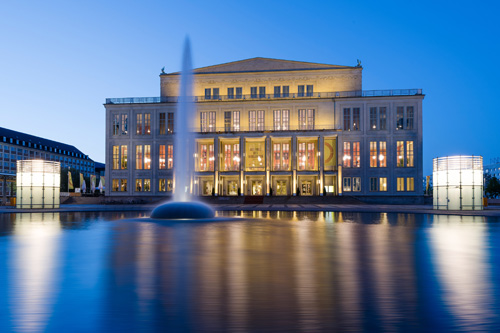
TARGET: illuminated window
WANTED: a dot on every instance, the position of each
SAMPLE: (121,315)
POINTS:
(147,185)
(147,123)
(302,156)
(400,184)
(356,184)
(124,157)
(285,163)
(123,184)
(410,184)
(207,121)
(255,155)
(161,185)
(211,121)
(260,120)
(276,156)
(356,159)
(162,156)
(400,153)
(281,120)
(231,157)
(383,184)
(379,159)
(138,157)
(231,121)
(115,187)
(170,156)
(138,185)
(147,157)
(373,154)
(306,119)
(116,157)
(409,153)
(311,156)
(346,182)
(205,159)
(236,157)
(347,155)
(252,120)
(382,157)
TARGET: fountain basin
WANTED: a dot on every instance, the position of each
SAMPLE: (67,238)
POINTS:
(176,210)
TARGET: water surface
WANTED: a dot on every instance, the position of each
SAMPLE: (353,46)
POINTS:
(278,271)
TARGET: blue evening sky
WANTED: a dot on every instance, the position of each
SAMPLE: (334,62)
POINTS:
(59,60)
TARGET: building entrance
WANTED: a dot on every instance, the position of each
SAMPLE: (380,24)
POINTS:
(256,187)
(306,188)
(281,187)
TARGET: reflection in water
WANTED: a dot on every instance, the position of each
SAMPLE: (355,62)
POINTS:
(461,263)
(283,271)
(33,275)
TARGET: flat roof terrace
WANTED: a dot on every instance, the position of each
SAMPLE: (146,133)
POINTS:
(278,96)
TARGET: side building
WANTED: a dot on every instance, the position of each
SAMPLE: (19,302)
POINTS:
(16,146)
(272,127)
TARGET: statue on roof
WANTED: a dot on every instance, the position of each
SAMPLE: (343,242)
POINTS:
(163,70)
(359,63)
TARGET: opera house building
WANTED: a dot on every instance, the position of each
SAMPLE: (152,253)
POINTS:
(272,127)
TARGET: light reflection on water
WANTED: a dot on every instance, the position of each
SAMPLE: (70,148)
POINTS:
(283,271)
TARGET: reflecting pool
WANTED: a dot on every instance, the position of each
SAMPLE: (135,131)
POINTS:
(265,271)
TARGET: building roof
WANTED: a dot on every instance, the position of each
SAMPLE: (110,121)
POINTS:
(264,65)
(4,132)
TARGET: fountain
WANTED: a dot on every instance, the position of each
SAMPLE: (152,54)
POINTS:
(183,206)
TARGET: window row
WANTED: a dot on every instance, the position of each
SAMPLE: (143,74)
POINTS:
(259,92)
(141,185)
(378,184)
(378,154)
(256,120)
(378,118)
(143,157)
(143,124)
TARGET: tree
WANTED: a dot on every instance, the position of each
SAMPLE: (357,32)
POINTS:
(492,187)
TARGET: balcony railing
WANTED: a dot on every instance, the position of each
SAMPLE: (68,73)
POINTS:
(256,97)
(236,129)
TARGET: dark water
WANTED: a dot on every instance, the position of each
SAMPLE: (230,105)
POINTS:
(308,272)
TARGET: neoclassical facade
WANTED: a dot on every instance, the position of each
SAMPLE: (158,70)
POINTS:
(271,127)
